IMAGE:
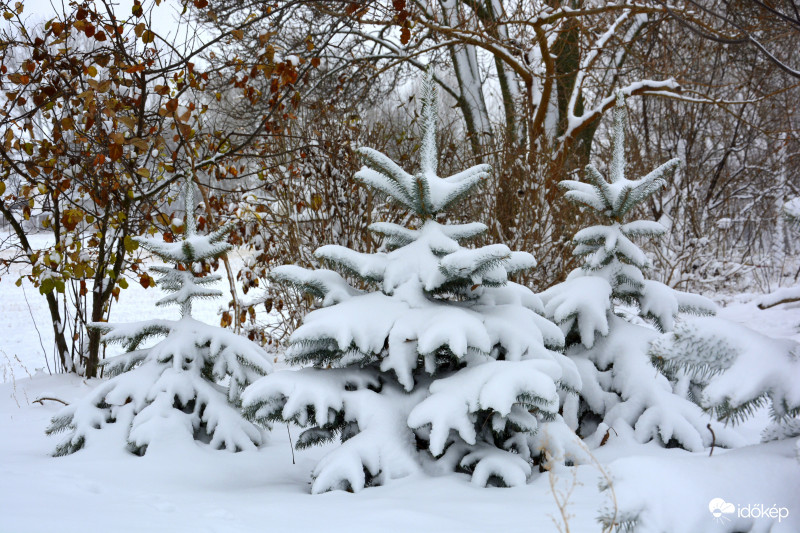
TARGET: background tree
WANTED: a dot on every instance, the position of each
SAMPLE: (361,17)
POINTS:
(529,82)
(736,138)
(102,116)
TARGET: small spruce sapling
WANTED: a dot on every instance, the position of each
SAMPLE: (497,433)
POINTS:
(621,388)
(447,364)
(188,385)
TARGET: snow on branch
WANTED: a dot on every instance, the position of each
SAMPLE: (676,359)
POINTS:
(327,285)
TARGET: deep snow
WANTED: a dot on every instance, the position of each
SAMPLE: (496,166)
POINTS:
(190,488)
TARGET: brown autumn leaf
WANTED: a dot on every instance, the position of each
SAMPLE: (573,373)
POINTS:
(114,151)
(171,105)
(140,143)
(20,79)
(71,218)
(130,122)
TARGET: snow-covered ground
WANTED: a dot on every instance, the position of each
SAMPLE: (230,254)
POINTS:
(198,490)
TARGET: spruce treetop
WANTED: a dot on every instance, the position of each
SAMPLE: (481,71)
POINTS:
(183,285)
(608,249)
(424,193)
(614,198)
(429,256)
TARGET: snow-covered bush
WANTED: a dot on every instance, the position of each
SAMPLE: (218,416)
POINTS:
(447,364)
(188,385)
(735,370)
(609,343)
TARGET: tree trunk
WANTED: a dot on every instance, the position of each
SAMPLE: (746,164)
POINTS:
(58,333)
(93,355)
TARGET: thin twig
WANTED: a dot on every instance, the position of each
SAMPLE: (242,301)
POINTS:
(713,439)
(290,442)
(41,400)
(44,352)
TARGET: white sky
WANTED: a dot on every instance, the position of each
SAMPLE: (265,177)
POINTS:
(165,19)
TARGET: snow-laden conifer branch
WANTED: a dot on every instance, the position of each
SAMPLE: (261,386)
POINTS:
(184,286)
(738,369)
(366,266)
(462,232)
(397,236)
(130,336)
(327,285)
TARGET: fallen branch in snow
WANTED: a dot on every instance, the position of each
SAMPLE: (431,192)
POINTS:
(784,295)
(767,305)
(41,400)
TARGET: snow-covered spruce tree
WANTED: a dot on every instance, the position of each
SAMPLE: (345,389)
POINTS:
(735,371)
(188,385)
(447,365)
(609,313)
